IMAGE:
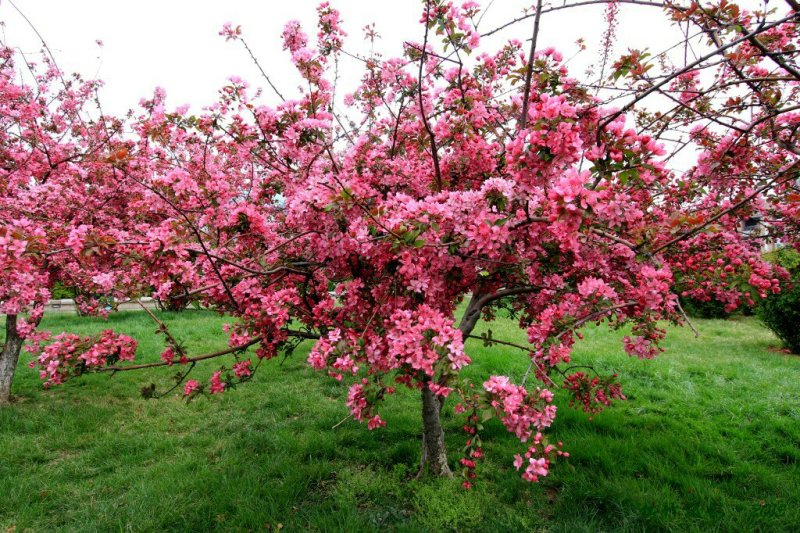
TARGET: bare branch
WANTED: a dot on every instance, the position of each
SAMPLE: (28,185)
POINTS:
(529,68)
(667,79)
(434,149)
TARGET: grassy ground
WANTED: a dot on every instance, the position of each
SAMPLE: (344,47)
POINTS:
(709,440)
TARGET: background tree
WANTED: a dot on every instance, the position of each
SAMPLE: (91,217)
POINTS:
(781,312)
(61,198)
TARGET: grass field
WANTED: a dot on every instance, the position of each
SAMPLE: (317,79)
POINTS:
(708,440)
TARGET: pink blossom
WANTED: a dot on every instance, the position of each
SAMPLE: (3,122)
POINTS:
(217,385)
(242,369)
(191,387)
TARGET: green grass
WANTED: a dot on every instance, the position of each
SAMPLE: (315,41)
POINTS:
(709,440)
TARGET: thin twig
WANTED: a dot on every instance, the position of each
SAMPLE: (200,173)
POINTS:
(342,421)
(434,150)
(529,69)
(686,318)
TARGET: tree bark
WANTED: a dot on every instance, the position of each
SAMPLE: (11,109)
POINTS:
(8,358)
(434,452)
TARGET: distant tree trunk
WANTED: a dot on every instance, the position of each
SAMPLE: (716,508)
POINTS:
(80,296)
(8,358)
(176,305)
(434,452)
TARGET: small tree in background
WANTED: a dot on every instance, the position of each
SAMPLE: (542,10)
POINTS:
(62,200)
(781,312)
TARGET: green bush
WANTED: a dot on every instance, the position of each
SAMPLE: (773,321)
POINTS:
(781,312)
(62,292)
(699,309)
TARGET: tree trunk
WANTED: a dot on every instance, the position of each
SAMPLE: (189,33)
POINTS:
(8,358)
(434,452)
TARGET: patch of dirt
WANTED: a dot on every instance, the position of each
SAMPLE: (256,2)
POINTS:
(17,399)
(781,349)
(552,495)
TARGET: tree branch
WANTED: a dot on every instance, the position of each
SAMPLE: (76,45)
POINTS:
(550,9)
(529,69)
(737,205)
(220,353)
(188,360)
(434,150)
(667,79)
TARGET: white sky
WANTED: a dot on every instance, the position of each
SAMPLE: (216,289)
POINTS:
(175,43)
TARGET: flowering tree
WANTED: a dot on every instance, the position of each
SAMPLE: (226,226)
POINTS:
(58,181)
(489,179)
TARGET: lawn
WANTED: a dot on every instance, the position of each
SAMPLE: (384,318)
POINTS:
(708,440)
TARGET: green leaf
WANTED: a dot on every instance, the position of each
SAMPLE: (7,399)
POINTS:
(626,175)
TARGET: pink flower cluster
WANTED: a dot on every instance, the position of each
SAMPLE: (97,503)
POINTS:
(520,411)
(192,386)
(70,355)
(592,394)
(423,337)
(538,457)
(217,385)
(360,407)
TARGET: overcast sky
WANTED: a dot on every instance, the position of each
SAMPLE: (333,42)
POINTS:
(175,44)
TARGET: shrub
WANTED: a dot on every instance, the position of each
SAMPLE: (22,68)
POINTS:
(61,292)
(781,312)
(700,309)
